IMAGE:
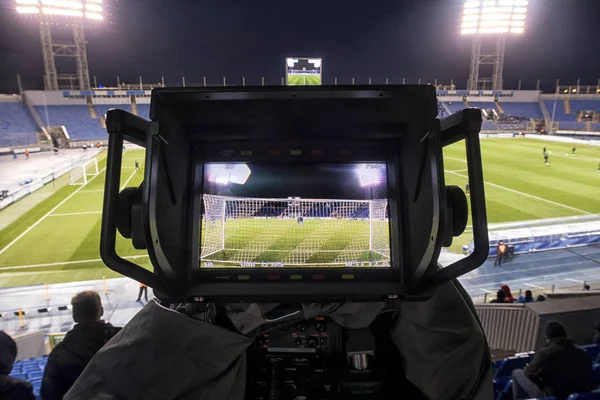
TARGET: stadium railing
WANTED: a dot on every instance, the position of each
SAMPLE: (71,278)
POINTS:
(39,183)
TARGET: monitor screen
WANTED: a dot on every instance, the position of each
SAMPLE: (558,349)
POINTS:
(295,215)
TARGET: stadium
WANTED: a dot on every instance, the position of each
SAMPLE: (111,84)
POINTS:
(541,161)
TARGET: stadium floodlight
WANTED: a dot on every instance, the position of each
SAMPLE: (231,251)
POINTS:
(77,14)
(370,174)
(487,20)
(494,17)
(224,174)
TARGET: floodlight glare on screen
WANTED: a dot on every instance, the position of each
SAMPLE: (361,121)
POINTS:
(224,174)
(494,17)
(88,9)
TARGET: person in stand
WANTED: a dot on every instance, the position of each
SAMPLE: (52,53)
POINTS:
(144,290)
(509,297)
(500,253)
(527,298)
(500,297)
(11,388)
(558,369)
(70,357)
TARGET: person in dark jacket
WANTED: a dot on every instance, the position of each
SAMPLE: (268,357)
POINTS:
(11,388)
(558,369)
(500,297)
(70,357)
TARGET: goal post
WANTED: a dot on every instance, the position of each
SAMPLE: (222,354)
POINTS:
(240,231)
(83,172)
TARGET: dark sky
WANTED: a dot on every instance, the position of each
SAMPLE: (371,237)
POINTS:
(361,38)
(300,180)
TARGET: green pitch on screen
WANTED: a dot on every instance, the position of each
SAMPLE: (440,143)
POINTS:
(63,246)
(303,80)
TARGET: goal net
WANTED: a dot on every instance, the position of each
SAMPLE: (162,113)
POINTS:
(251,232)
(82,173)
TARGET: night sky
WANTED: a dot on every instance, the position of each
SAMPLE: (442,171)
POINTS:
(356,38)
(307,181)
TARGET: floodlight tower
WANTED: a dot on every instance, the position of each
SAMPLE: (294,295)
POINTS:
(490,22)
(76,14)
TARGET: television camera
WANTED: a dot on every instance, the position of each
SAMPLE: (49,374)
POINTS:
(309,220)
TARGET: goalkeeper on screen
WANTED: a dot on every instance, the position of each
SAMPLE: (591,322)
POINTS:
(300,220)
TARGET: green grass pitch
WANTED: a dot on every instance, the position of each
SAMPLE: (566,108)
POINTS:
(58,240)
(303,80)
(284,242)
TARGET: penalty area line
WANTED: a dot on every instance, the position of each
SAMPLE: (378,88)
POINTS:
(26,231)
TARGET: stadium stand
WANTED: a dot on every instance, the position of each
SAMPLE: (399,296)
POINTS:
(17,127)
(102,109)
(503,371)
(77,120)
(529,110)
(585,105)
(31,370)
(144,110)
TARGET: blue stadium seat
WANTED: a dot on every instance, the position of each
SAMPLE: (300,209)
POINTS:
(35,374)
(17,126)
(504,372)
(76,118)
(593,350)
(144,110)
(18,376)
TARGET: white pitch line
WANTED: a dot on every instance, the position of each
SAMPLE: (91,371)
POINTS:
(532,285)
(457,170)
(26,231)
(528,195)
(573,156)
(75,213)
(63,263)
(487,291)
(455,159)
(128,179)
(574,280)
(92,191)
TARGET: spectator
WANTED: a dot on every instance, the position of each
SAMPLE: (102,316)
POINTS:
(558,369)
(11,388)
(587,287)
(500,297)
(70,357)
(528,298)
(509,297)
(541,297)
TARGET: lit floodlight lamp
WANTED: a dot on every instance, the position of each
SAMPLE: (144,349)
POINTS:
(28,10)
(494,17)
(370,174)
(224,174)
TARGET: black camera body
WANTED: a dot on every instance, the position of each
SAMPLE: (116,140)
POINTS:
(191,129)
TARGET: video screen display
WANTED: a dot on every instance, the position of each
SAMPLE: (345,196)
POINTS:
(297,216)
(303,71)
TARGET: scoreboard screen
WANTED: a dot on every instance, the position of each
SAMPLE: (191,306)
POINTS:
(303,71)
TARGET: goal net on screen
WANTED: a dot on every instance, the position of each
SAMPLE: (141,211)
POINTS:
(251,232)
(82,173)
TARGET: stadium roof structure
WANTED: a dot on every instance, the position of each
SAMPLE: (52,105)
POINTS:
(76,14)
(491,21)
